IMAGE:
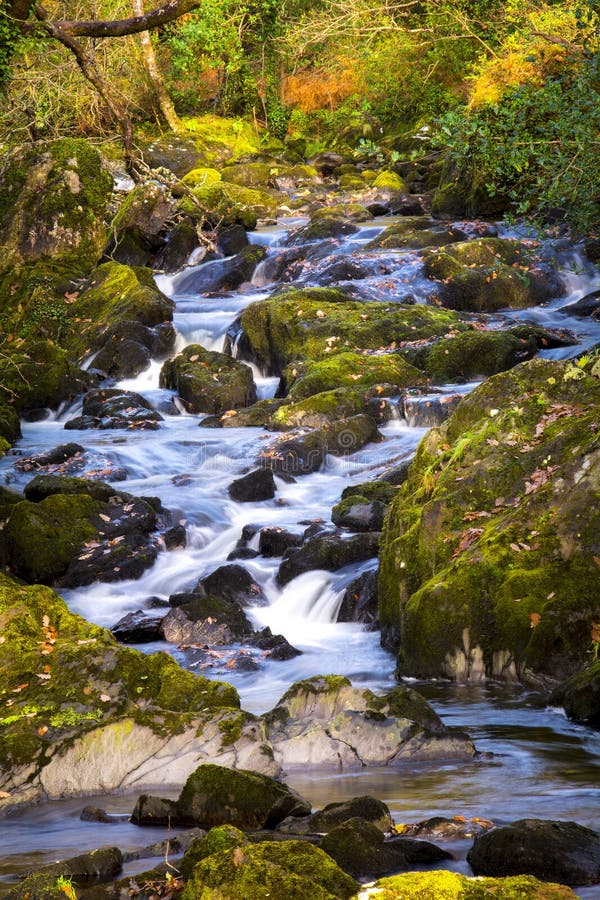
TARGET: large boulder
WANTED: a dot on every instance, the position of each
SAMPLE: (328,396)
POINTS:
(329,552)
(137,230)
(35,375)
(114,408)
(207,381)
(87,715)
(549,850)
(489,552)
(294,869)
(325,719)
(75,531)
(355,370)
(215,795)
(310,324)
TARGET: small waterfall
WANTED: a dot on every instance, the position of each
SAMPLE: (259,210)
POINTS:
(306,601)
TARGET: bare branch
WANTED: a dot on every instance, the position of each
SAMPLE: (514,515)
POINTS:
(121,27)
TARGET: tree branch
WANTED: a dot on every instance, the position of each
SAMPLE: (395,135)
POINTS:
(121,27)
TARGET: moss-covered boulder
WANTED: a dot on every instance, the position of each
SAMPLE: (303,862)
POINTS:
(53,199)
(475,354)
(216,795)
(319,409)
(75,538)
(396,237)
(366,808)
(489,274)
(81,714)
(113,294)
(137,230)
(219,838)
(201,177)
(10,426)
(35,375)
(452,886)
(205,620)
(389,181)
(489,552)
(580,694)
(354,370)
(224,203)
(294,869)
(208,381)
(329,552)
(313,323)
(333,221)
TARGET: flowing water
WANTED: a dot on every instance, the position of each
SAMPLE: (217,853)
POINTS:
(534,762)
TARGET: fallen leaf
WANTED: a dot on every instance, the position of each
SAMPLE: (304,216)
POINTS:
(534,620)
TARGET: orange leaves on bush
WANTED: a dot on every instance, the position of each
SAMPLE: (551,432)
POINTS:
(311,89)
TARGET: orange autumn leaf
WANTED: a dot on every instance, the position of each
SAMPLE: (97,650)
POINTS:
(534,619)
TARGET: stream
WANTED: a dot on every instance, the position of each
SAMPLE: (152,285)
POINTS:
(534,762)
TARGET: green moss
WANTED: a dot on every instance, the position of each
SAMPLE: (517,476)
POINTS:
(496,530)
(389,181)
(443,885)
(219,839)
(61,676)
(349,369)
(10,426)
(207,381)
(311,324)
(227,204)
(474,354)
(38,374)
(222,139)
(371,490)
(320,409)
(580,695)
(114,293)
(201,177)
(293,869)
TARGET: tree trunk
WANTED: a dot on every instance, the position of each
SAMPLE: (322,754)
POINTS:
(165,105)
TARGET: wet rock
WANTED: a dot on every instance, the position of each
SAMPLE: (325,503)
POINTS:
(232,583)
(359,603)
(445,828)
(429,411)
(242,553)
(78,531)
(96,814)
(180,243)
(55,457)
(36,377)
(329,552)
(175,538)
(130,346)
(298,455)
(107,408)
(549,850)
(205,620)
(207,381)
(366,808)
(252,800)
(326,162)
(580,695)
(586,306)
(274,541)
(355,370)
(396,475)
(232,240)
(363,506)
(149,810)
(221,275)
(259,415)
(178,154)
(137,628)
(275,645)
(254,487)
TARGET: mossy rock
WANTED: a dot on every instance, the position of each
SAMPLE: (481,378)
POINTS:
(389,181)
(444,885)
(136,232)
(396,237)
(219,139)
(113,294)
(224,203)
(201,177)
(333,221)
(319,409)
(64,676)
(10,426)
(488,274)
(258,415)
(371,490)
(208,381)
(216,795)
(313,323)
(359,514)
(351,182)
(218,839)
(45,540)
(38,374)
(291,869)
(349,369)
(53,199)
(251,174)
(580,696)
(475,354)
(488,552)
